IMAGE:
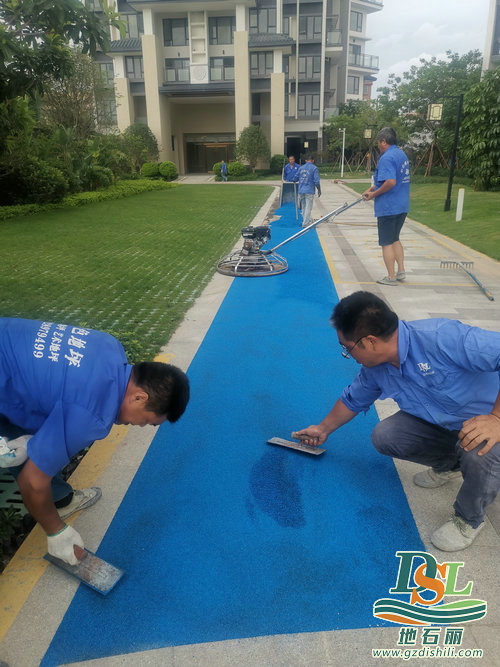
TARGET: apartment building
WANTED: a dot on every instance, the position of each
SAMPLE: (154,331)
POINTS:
(199,72)
(491,57)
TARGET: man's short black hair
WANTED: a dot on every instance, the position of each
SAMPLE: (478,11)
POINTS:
(388,135)
(309,156)
(166,385)
(363,314)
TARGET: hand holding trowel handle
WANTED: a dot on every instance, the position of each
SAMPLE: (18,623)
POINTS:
(66,544)
(312,436)
(316,435)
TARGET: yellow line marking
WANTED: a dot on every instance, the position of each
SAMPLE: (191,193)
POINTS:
(329,261)
(27,565)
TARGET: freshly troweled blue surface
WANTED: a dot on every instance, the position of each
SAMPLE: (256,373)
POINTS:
(223,536)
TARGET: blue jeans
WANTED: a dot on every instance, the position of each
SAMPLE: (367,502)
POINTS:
(60,489)
(306,204)
(410,438)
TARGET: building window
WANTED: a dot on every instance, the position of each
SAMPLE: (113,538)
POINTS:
(310,27)
(222,69)
(308,105)
(176,69)
(175,32)
(134,25)
(286,25)
(134,68)
(255,104)
(309,67)
(107,73)
(286,65)
(356,21)
(261,64)
(221,29)
(353,85)
(262,21)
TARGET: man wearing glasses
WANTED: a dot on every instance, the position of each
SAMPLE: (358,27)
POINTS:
(444,376)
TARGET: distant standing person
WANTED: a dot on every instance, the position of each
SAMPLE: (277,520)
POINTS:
(223,171)
(291,171)
(308,182)
(391,192)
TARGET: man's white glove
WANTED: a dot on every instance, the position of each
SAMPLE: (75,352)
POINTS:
(13,452)
(61,544)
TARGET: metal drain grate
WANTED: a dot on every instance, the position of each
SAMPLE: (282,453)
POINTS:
(10,496)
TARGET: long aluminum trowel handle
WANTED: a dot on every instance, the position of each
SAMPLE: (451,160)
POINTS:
(303,231)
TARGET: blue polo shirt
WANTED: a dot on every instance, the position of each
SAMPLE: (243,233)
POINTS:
(291,174)
(62,383)
(308,178)
(448,372)
(393,164)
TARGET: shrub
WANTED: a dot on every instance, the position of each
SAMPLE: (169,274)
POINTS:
(216,169)
(32,181)
(141,144)
(117,191)
(150,170)
(96,178)
(168,170)
(236,170)
(277,163)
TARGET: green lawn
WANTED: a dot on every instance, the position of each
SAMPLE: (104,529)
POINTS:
(480,224)
(131,266)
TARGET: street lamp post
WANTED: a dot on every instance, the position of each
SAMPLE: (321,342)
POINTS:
(342,130)
(447,203)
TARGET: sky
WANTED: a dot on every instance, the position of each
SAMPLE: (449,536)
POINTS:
(407,30)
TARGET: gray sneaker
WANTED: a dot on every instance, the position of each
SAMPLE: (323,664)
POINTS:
(388,281)
(82,498)
(431,479)
(455,534)
(400,275)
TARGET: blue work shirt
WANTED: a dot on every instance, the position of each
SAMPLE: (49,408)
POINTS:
(291,173)
(308,178)
(393,164)
(223,168)
(448,372)
(62,383)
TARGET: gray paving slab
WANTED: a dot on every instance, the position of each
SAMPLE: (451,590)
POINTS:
(351,246)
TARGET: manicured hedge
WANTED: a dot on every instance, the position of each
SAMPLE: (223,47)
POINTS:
(117,191)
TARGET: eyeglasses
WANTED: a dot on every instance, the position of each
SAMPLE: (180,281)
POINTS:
(346,351)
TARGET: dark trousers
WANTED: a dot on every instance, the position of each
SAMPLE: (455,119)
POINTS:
(409,438)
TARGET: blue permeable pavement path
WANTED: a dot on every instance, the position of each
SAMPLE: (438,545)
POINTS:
(223,536)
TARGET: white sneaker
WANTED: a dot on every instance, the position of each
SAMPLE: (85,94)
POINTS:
(431,479)
(82,498)
(455,534)
(388,281)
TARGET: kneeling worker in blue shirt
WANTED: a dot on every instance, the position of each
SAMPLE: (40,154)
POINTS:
(66,386)
(444,376)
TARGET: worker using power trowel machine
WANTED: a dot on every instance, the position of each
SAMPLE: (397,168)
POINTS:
(61,388)
(444,376)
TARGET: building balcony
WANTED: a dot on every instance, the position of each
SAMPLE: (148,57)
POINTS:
(222,74)
(363,60)
(171,75)
(367,6)
(334,39)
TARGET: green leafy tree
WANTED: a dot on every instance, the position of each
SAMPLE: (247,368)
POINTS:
(480,131)
(252,146)
(431,82)
(141,145)
(35,39)
(72,100)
